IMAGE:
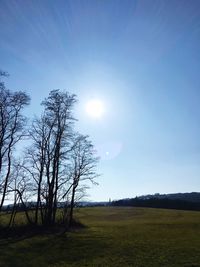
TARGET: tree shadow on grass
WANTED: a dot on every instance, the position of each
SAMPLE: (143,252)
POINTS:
(52,250)
(22,232)
(25,231)
(27,245)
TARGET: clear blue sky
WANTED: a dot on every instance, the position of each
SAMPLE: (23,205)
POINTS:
(141,58)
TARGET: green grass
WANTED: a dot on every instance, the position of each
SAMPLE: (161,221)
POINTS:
(114,237)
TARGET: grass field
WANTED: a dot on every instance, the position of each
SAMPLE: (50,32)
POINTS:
(113,236)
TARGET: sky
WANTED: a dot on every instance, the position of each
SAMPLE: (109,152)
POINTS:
(141,59)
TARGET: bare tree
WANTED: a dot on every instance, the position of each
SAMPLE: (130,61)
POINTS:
(83,165)
(12,124)
(20,187)
(51,137)
(34,165)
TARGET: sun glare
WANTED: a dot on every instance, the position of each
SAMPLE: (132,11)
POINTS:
(95,108)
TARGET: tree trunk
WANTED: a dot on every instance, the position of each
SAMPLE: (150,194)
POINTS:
(72,207)
(6,179)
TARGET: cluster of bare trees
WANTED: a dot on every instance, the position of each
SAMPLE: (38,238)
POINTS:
(54,168)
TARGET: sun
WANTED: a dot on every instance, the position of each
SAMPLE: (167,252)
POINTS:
(95,108)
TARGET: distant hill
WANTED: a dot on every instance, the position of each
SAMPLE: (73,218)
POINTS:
(192,197)
(183,201)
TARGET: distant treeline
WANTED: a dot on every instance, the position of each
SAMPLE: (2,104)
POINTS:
(32,205)
(158,201)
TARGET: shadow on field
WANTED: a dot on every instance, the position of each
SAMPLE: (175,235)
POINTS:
(25,231)
(52,249)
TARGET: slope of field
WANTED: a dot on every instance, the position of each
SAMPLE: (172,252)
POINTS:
(114,236)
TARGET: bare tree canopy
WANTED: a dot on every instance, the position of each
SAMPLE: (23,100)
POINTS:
(12,130)
(82,166)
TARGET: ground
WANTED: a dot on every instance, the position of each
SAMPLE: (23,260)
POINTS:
(113,236)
